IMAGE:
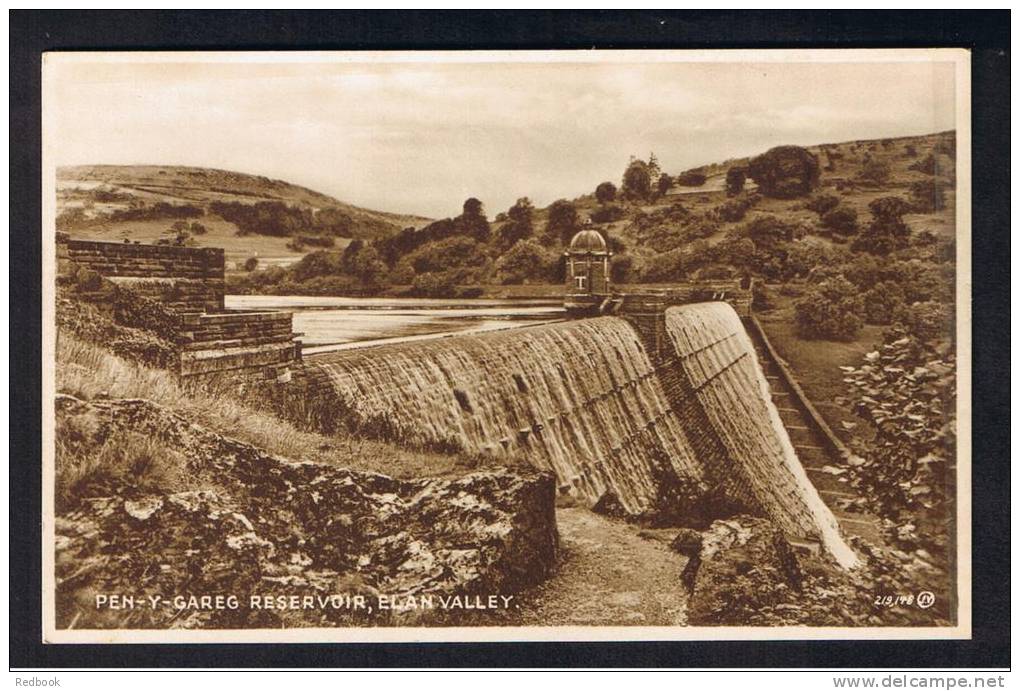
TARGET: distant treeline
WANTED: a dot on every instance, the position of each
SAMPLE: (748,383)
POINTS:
(282,220)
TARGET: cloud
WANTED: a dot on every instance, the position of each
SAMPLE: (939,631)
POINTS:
(420,137)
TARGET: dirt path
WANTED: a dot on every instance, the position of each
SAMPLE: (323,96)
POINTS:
(610,573)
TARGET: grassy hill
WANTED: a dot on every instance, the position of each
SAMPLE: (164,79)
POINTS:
(108,202)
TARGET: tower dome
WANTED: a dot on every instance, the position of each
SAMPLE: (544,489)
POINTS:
(588,241)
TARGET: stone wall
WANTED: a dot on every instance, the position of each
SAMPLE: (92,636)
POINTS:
(177,293)
(188,278)
(257,345)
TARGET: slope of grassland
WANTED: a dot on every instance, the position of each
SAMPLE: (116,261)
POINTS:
(100,191)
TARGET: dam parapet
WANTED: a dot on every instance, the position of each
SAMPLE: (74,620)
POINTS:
(178,294)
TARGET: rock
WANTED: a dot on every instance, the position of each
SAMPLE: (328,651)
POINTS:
(745,568)
(687,542)
(274,526)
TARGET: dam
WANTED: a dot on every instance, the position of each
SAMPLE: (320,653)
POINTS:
(688,431)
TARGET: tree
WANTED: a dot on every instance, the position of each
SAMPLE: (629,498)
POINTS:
(887,231)
(637,180)
(735,179)
(251,263)
(562,223)
(473,222)
(653,166)
(524,261)
(830,311)
(665,182)
(605,192)
(785,172)
(519,223)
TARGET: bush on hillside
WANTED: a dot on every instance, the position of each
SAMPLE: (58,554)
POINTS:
(735,179)
(829,311)
(785,172)
(887,231)
(733,210)
(525,261)
(875,172)
(690,179)
(882,302)
(605,192)
(822,203)
(841,219)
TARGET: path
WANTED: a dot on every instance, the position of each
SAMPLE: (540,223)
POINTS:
(609,573)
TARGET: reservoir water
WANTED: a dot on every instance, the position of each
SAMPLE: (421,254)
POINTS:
(337,323)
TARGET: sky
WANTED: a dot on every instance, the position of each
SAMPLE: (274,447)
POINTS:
(421,136)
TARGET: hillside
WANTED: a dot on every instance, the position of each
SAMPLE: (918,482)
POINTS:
(107,202)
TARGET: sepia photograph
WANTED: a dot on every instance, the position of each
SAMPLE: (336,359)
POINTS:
(591,345)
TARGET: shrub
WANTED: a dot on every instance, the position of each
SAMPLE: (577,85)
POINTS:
(605,192)
(910,151)
(197,228)
(735,179)
(822,203)
(637,180)
(841,219)
(768,231)
(830,311)
(251,263)
(402,273)
(607,214)
(524,261)
(734,210)
(928,321)
(785,172)
(882,302)
(690,179)
(875,172)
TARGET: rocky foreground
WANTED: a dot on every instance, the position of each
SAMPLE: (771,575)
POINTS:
(273,542)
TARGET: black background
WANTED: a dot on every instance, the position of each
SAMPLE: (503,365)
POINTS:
(986,33)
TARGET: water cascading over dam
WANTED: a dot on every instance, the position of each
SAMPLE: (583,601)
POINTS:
(588,401)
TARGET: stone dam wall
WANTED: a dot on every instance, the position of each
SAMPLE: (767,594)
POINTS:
(685,426)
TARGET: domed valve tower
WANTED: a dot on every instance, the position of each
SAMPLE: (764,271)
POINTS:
(587,274)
